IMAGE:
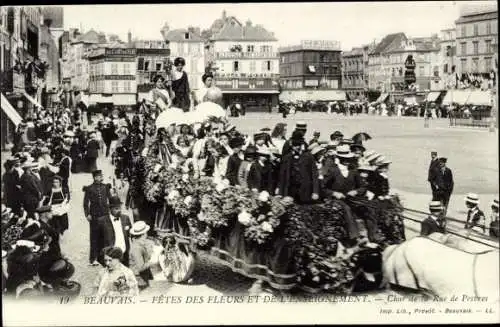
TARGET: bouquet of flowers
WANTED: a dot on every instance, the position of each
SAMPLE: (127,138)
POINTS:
(120,286)
(261,221)
(11,234)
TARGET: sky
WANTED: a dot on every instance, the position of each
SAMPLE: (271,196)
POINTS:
(353,24)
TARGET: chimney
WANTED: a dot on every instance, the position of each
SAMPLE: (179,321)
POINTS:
(129,38)
(224,16)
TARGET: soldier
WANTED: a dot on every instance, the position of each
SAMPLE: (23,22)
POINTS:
(96,205)
(435,222)
(475,217)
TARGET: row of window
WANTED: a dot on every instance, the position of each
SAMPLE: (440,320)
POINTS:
(294,70)
(310,57)
(399,58)
(116,87)
(186,48)
(477,65)
(251,48)
(396,71)
(476,29)
(299,84)
(237,66)
(116,69)
(487,47)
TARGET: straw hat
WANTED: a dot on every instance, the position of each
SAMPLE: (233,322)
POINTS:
(494,204)
(344,151)
(435,206)
(139,228)
(472,198)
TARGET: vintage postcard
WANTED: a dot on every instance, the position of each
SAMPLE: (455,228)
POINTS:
(250,163)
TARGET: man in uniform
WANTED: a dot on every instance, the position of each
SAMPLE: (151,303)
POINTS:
(432,168)
(96,205)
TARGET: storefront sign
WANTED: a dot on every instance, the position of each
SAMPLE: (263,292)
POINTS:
(320,44)
(120,52)
(153,52)
(311,82)
(247,83)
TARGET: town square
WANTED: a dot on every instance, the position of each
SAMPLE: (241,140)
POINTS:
(232,163)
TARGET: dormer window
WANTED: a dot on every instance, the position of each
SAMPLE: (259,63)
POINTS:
(186,36)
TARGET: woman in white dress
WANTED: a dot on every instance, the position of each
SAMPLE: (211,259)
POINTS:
(278,136)
(207,79)
(159,96)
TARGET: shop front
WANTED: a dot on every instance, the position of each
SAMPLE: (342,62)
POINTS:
(256,95)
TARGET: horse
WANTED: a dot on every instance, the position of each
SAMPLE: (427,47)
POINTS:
(442,265)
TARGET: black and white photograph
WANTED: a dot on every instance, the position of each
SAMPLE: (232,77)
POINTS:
(250,163)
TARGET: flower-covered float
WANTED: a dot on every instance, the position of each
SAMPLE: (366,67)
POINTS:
(265,237)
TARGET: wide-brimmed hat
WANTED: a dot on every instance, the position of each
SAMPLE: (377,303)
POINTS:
(337,134)
(382,161)
(236,142)
(494,204)
(371,158)
(60,270)
(317,150)
(139,228)
(30,164)
(344,151)
(260,136)
(69,134)
(472,198)
(115,201)
(435,206)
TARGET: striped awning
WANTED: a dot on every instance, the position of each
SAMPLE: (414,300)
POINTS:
(10,111)
(382,98)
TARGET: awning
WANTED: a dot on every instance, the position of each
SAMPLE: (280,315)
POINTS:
(10,111)
(480,98)
(33,101)
(456,96)
(311,68)
(432,96)
(251,91)
(382,98)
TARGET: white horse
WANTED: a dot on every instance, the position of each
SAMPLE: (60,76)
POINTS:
(443,265)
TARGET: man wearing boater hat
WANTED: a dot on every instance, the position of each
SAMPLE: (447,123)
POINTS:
(475,216)
(435,222)
(95,205)
(31,188)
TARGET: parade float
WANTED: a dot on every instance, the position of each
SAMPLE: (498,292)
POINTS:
(261,236)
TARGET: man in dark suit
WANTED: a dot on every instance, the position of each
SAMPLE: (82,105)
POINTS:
(96,205)
(432,170)
(235,160)
(443,180)
(260,174)
(435,222)
(12,186)
(113,230)
(299,132)
(31,188)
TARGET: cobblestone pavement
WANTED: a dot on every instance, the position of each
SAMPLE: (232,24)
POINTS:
(409,172)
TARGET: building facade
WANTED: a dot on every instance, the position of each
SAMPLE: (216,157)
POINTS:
(400,66)
(151,59)
(75,50)
(477,42)
(112,76)
(245,60)
(353,74)
(311,65)
(448,50)
(188,44)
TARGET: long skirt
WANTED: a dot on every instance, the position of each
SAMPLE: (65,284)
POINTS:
(167,220)
(272,263)
(60,223)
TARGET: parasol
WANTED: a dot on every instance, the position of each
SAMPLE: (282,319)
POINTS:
(170,116)
(361,137)
(206,110)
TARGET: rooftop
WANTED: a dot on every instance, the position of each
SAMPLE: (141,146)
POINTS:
(389,43)
(231,29)
(179,35)
(91,37)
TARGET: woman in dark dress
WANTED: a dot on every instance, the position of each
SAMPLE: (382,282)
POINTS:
(180,85)
(57,195)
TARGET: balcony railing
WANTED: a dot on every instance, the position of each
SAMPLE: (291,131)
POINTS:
(246,55)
